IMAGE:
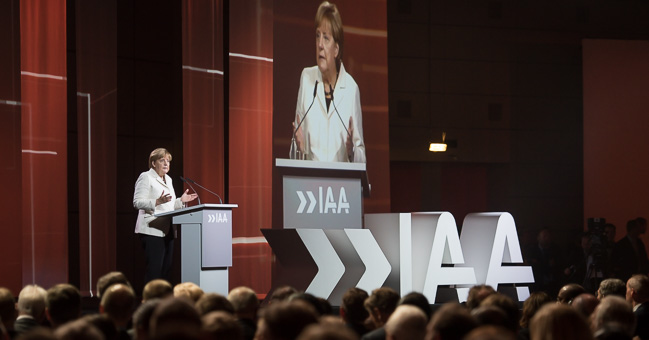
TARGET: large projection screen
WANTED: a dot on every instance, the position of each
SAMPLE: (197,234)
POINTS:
(364,58)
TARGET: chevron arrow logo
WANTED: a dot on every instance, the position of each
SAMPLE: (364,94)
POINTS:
(303,201)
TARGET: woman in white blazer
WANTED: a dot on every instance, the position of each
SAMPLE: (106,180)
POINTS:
(154,193)
(332,129)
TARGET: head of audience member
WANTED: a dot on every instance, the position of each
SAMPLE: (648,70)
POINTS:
(568,292)
(31,301)
(326,331)
(490,332)
(220,325)
(585,304)
(544,238)
(188,290)
(142,318)
(450,322)
(285,320)
(381,304)
(509,306)
(282,293)
(491,315)
(245,302)
(315,302)
(636,227)
(157,289)
(63,304)
(108,280)
(559,322)
(352,310)
(7,308)
(611,287)
(78,330)
(478,293)
(103,324)
(609,231)
(212,302)
(118,303)
(408,322)
(615,312)
(418,300)
(175,318)
(637,289)
(532,305)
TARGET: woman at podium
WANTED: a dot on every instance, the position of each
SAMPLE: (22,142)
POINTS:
(328,122)
(154,193)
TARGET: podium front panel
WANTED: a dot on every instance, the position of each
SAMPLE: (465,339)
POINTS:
(216,239)
(322,203)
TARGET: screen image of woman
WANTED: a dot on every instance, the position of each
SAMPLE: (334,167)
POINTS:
(328,124)
(154,194)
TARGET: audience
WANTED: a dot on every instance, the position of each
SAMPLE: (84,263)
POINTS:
(118,303)
(407,322)
(175,318)
(585,304)
(478,293)
(285,320)
(532,305)
(7,311)
(63,304)
(31,308)
(110,279)
(79,329)
(142,318)
(612,286)
(613,312)
(637,293)
(220,325)
(559,322)
(508,306)
(246,305)
(327,332)
(353,312)
(380,306)
(450,322)
(568,292)
(188,290)
(157,289)
(212,302)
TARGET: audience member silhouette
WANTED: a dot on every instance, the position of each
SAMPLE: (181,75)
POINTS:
(31,308)
(408,322)
(246,305)
(611,286)
(637,293)
(450,322)
(220,325)
(212,302)
(630,254)
(559,322)
(613,312)
(380,306)
(63,304)
(353,312)
(157,289)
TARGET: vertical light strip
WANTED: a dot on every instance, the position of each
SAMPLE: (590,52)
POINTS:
(87,95)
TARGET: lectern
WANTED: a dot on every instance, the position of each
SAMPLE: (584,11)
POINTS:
(206,244)
(321,195)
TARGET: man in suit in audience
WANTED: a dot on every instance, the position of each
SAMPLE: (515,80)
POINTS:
(63,304)
(7,311)
(246,304)
(31,308)
(380,305)
(118,303)
(630,254)
(637,293)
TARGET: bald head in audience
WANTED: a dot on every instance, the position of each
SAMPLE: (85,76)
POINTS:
(406,323)
(613,311)
(585,304)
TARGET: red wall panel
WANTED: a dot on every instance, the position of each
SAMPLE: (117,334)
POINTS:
(44,141)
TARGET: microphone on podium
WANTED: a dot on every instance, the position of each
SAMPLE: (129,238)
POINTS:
(190,185)
(293,154)
(204,188)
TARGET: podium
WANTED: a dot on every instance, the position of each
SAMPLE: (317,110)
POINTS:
(206,244)
(319,195)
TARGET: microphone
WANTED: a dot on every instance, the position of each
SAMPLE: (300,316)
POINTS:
(335,108)
(190,185)
(206,189)
(293,144)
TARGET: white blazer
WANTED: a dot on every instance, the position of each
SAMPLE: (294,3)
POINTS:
(148,187)
(325,134)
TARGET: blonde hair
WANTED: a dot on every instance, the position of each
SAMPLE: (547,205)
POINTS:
(328,11)
(157,154)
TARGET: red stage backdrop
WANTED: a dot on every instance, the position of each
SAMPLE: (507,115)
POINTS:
(44,142)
